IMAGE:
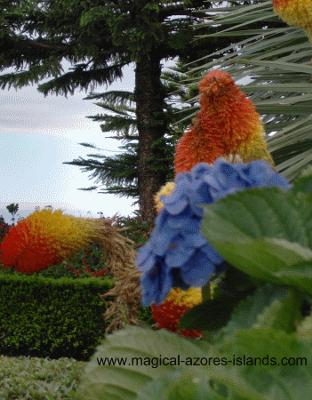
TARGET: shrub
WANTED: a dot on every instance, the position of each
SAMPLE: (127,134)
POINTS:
(31,378)
(51,317)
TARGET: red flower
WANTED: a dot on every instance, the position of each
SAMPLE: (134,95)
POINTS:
(168,314)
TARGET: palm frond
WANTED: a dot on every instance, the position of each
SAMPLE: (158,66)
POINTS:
(114,97)
(272,64)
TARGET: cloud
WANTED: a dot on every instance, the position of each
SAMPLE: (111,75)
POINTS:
(27,111)
(37,134)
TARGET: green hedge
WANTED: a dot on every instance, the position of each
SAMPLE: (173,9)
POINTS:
(51,317)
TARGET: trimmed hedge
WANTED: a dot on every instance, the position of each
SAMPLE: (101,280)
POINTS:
(49,317)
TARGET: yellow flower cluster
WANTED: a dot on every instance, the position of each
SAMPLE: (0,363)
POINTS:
(188,298)
(165,190)
(295,13)
(68,234)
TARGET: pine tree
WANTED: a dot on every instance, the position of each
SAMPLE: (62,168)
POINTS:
(118,174)
(98,39)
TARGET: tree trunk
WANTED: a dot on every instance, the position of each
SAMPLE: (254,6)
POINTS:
(152,125)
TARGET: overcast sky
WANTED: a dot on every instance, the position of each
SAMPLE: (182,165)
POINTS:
(37,134)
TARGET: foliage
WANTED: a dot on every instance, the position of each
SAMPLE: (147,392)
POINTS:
(271,61)
(13,209)
(4,227)
(118,174)
(25,378)
(261,350)
(264,234)
(214,382)
(112,174)
(87,262)
(51,317)
(271,224)
(145,315)
(97,40)
(134,228)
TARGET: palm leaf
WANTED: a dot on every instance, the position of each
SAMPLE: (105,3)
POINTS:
(272,64)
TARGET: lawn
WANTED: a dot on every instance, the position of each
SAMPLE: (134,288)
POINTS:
(31,378)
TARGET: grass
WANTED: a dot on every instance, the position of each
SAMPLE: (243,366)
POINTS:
(31,378)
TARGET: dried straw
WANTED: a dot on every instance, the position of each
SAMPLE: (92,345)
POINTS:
(119,253)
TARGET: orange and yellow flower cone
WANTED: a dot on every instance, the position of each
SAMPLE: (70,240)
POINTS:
(43,239)
(227,125)
(295,13)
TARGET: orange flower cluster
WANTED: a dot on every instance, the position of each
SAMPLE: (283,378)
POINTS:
(295,13)
(227,125)
(168,314)
(43,239)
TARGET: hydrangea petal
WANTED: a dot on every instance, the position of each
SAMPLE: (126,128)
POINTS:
(146,258)
(198,271)
(182,255)
(157,283)
(178,253)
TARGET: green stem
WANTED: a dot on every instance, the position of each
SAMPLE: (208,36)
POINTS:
(206,292)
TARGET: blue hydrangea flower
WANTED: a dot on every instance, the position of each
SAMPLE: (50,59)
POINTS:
(177,254)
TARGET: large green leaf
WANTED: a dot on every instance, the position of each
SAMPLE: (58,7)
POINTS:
(304,183)
(209,315)
(257,370)
(125,381)
(228,291)
(179,385)
(269,307)
(267,233)
(246,365)
(305,327)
